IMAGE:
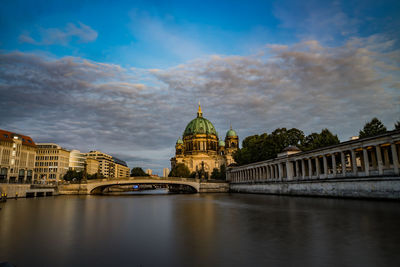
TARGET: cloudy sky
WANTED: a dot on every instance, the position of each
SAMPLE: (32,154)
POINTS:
(125,77)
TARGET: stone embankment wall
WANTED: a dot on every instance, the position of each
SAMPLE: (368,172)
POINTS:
(13,190)
(73,189)
(377,188)
(216,187)
(27,190)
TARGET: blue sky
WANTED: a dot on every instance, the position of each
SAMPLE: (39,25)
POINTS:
(81,65)
(156,34)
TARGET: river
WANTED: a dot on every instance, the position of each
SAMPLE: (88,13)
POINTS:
(199,230)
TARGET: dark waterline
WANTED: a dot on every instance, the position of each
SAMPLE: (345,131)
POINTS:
(199,230)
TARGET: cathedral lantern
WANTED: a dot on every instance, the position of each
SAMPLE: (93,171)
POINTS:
(231,140)
(179,147)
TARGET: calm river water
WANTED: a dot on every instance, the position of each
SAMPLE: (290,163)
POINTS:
(199,230)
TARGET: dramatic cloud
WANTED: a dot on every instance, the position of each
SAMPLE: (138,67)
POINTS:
(137,114)
(81,32)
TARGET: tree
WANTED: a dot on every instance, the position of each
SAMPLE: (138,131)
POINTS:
(318,140)
(222,172)
(372,128)
(96,175)
(137,171)
(180,170)
(397,125)
(72,174)
(267,146)
(215,174)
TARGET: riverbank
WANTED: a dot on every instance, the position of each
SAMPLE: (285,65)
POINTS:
(368,188)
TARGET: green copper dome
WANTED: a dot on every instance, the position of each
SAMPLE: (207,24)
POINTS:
(231,133)
(199,125)
(221,143)
(179,141)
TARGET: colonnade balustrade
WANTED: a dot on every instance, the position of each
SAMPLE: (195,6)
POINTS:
(369,157)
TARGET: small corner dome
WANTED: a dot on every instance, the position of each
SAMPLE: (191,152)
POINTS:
(231,133)
(221,143)
(292,149)
(180,142)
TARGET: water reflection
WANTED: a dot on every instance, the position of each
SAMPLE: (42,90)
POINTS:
(204,230)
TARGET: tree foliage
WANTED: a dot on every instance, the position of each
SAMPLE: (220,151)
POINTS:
(96,175)
(215,173)
(138,172)
(180,170)
(72,174)
(267,146)
(323,139)
(397,125)
(219,174)
(373,128)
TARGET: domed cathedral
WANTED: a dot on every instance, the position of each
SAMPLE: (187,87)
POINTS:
(200,148)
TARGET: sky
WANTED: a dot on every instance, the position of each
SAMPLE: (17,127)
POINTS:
(125,77)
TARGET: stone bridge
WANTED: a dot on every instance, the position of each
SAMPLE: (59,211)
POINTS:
(200,186)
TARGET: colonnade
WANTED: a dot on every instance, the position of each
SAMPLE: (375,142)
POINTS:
(370,157)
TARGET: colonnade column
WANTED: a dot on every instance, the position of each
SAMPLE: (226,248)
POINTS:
(280,171)
(317,167)
(353,162)
(289,170)
(303,169)
(366,161)
(334,168)
(325,162)
(395,159)
(343,160)
(379,158)
(297,169)
(309,168)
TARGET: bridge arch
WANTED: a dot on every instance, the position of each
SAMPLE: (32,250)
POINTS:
(97,187)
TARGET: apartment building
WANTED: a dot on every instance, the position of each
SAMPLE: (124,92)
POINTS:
(52,162)
(17,158)
(77,160)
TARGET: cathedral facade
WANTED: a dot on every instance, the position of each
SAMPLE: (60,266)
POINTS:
(201,150)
